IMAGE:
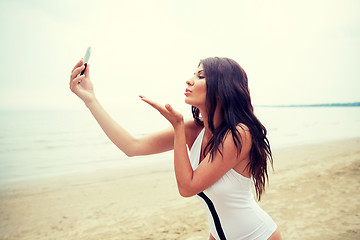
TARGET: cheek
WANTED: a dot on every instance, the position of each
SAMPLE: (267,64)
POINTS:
(202,89)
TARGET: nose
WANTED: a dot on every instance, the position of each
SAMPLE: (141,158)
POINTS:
(190,82)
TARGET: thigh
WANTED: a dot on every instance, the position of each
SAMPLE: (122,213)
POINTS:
(211,237)
(275,236)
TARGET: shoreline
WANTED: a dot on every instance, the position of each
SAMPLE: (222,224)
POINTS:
(313,193)
(123,167)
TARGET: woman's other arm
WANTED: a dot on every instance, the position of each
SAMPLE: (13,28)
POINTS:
(154,143)
(192,182)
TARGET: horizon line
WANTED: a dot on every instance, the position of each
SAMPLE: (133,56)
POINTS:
(348,104)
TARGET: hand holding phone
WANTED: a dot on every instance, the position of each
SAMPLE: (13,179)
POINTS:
(86,60)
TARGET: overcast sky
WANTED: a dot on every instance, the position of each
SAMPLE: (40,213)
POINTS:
(294,52)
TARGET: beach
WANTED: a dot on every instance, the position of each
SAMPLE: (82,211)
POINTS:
(313,194)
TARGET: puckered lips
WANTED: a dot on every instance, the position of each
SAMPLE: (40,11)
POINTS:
(187,92)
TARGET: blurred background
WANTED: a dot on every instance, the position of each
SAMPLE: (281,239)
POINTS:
(295,53)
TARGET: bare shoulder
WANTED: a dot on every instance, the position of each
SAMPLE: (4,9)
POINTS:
(244,132)
(192,130)
(244,135)
(230,149)
(242,127)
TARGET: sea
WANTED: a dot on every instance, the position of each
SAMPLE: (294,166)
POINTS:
(37,144)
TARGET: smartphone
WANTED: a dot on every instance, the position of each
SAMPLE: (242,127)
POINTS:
(86,59)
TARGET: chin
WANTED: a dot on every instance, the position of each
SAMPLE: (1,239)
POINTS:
(189,102)
(192,103)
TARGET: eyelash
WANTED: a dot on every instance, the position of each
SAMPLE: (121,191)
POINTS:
(201,77)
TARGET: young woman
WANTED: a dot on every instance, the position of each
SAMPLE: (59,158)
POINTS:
(228,146)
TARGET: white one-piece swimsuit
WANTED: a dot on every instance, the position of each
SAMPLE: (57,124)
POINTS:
(232,210)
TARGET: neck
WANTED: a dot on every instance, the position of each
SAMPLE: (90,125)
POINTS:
(217,119)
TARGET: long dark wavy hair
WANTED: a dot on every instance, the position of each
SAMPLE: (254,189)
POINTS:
(227,85)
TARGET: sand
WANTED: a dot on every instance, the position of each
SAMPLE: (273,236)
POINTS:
(314,193)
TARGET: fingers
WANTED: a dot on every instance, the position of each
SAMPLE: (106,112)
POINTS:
(87,71)
(169,108)
(77,71)
(173,112)
(150,102)
(167,111)
(154,104)
(78,64)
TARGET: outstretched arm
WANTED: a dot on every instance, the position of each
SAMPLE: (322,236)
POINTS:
(131,146)
(154,143)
